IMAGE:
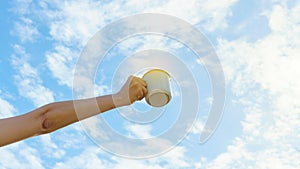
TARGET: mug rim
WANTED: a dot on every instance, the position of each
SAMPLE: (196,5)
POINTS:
(158,70)
(156,91)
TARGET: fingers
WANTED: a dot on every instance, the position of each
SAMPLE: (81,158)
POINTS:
(134,89)
(138,80)
(142,82)
(142,94)
(145,91)
(139,86)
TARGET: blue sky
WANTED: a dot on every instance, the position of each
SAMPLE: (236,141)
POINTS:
(257,43)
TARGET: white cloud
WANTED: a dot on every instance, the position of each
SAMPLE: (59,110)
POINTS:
(6,109)
(211,14)
(176,158)
(50,148)
(76,21)
(73,23)
(120,163)
(61,63)
(22,6)
(139,43)
(20,155)
(28,80)
(76,24)
(87,159)
(264,75)
(197,127)
(26,30)
(139,131)
(93,128)
(217,13)
(91,158)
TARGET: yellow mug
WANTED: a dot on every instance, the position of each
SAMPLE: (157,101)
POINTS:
(158,86)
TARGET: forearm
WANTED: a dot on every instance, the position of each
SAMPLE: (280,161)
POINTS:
(61,114)
(51,117)
(57,115)
(16,128)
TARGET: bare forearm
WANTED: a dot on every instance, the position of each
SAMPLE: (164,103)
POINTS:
(61,114)
(16,128)
(52,117)
(57,115)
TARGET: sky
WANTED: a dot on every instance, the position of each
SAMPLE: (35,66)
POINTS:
(257,44)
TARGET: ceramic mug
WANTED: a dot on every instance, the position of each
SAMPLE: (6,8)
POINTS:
(158,86)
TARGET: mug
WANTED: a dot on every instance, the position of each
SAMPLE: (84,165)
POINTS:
(158,86)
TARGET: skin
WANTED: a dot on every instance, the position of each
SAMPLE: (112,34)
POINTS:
(54,116)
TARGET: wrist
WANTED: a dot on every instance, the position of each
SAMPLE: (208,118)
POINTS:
(119,100)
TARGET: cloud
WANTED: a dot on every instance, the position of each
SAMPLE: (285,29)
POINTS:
(50,148)
(264,75)
(176,158)
(74,22)
(26,30)
(61,63)
(71,28)
(6,109)
(71,24)
(22,6)
(144,42)
(87,159)
(139,131)
(28,80)
(93,157)
(210,14)
(20,155)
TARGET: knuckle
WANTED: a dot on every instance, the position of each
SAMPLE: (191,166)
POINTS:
(135,84)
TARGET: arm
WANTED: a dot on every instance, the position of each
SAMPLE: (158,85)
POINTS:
(57,115)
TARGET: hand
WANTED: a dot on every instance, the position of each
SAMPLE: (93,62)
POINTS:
(134,89)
